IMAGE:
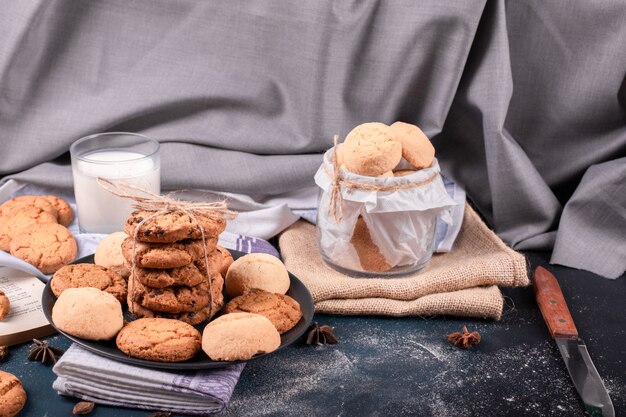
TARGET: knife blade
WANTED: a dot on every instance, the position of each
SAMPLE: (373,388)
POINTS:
(555,313)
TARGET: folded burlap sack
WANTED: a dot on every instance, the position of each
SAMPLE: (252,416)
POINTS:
(463,282)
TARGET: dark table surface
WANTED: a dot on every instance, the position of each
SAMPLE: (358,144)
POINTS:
(406,367)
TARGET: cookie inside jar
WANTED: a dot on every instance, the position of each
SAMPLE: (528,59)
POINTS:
(383,223)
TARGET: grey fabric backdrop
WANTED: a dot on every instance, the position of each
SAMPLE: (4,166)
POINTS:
(525,101)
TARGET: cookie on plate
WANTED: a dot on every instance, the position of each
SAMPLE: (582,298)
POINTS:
(158,339)
(47,246)
(172,300)
(283,311)
(89,275)
(239,336)
(257,270)
(109,254)
(12,395)
(171,227)
(227,259)
(88,313)
(193,317)
(165,255)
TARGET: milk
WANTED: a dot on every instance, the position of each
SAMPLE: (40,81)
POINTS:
(99,211)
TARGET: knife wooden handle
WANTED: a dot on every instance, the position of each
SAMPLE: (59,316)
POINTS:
(552,305)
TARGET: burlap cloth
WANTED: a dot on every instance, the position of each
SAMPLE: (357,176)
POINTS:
(463,282)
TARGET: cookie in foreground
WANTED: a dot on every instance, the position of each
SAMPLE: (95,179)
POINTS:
(239,336)
(283,311)
(158,339)
(88,313)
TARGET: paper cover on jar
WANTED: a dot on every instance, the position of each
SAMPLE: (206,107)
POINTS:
(400,214)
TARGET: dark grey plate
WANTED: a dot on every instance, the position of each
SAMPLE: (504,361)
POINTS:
(297,291)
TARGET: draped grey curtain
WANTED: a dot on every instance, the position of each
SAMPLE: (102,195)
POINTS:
(525,101)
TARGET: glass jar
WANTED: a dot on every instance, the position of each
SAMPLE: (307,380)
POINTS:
(379,226)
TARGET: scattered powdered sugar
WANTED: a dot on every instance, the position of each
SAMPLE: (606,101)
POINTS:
(386,368)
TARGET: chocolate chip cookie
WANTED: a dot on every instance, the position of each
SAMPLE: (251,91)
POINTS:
(283,311)
(165,255)
(227,259)
(89,275)
(171,227)
(193,317)
(172,300)
(47,246)
(189,275)
(159,339)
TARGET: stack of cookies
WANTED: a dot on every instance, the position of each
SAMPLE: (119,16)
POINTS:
(174,274)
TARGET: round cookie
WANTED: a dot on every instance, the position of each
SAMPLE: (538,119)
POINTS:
(13,220)
(65,215)
(12,395)
(416,148)
(165,255)
(283,311)
(239,336)
(371,149)
(88,313)
(159,339)
(257,270)
(171,227)
(109,254)
(89,275)
(227,259)
(172,300)
(47,246)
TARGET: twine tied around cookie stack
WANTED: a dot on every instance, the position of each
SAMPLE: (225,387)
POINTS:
(335,206)
(159,205)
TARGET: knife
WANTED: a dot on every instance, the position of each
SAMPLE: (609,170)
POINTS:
(573,350)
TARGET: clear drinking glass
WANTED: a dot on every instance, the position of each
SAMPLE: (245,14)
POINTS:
(119,156)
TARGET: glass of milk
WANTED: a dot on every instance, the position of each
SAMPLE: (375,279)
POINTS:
(130,158)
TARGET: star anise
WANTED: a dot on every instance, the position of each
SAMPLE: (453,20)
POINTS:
(464,340)
(321,335)
(43,352)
